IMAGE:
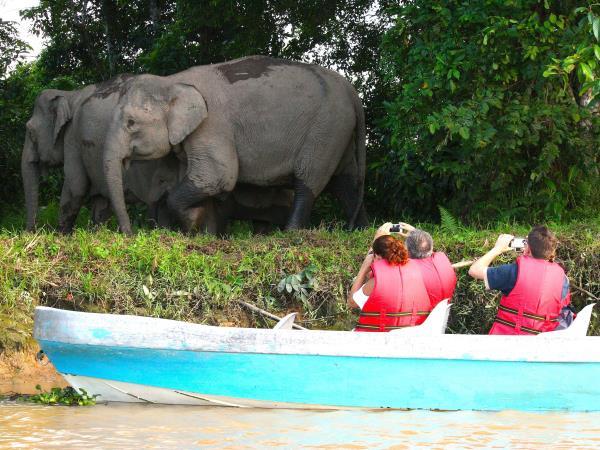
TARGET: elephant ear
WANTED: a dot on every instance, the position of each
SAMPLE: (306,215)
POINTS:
(187,110)
(62,114)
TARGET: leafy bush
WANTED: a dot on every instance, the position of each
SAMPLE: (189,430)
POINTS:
(62,396)
(474,124)
(201,278)
(299,285)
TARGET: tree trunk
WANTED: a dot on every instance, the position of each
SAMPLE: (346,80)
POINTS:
(153,17)
(109,16)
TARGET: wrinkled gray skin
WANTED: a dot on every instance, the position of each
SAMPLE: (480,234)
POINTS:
(44,141)
(257,121)
(67,129)
(265,207)
(145,182)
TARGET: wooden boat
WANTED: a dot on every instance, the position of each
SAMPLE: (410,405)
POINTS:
(141,359)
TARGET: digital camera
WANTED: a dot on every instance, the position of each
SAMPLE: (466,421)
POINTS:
(518,244)
(396,228)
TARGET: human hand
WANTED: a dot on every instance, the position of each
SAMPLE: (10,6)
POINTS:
(503,243)
(369,257)
(383,230)
(407,227)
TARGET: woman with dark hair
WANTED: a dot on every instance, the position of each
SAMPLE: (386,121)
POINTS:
(389,288)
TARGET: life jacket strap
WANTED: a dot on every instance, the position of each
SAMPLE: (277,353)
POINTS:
(514,325)
(394,314)
(526,314)
(377,327)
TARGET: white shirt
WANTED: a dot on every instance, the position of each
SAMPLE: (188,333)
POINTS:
(360,298)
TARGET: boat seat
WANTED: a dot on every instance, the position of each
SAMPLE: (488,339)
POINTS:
(286,323)
(578,327)
(434,324)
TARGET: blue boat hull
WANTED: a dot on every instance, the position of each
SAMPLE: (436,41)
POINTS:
(342,381)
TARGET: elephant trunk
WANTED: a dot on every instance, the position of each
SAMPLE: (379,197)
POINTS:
(30,172)
(114,154)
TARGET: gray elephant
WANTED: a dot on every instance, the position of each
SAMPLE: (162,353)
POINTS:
(68,128)
(265,207)
(44,140)
(258,121)
(145,182)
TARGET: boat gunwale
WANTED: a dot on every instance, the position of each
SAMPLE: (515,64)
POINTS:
(73,327)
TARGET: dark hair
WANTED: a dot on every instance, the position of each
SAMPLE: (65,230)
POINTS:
(419,244)
(391,249)
(542,243)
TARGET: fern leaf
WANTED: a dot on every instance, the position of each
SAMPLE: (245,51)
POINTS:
(449,223)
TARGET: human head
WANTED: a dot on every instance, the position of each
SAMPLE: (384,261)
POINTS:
(419,244)
(391,249)
(542,243)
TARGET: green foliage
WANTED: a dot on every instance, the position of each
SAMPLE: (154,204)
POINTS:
(299,285)
(485,107)
(12,49)
(62,396)
(448,223)
(580,69)
(92,41)
(201,278)
(474,124)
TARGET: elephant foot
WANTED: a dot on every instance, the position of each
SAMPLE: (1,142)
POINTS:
(66,230)
(362,219)
(303,202)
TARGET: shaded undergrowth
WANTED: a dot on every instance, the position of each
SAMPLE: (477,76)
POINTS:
(201,278)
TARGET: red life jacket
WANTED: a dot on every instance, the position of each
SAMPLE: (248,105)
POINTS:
(400,296)
(535,302)
(439,277)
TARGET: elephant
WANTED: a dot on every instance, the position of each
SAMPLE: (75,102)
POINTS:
(44,141)
(256,121)
(68,128)
(146,181)
(264,207)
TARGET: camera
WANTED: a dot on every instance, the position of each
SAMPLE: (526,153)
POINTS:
(396,228)
(518,244)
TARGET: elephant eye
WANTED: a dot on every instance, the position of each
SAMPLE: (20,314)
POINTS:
(130,123)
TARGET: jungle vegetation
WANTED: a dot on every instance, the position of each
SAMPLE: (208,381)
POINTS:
(486,108)
(204,279)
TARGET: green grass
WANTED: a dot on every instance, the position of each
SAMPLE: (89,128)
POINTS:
(199,278)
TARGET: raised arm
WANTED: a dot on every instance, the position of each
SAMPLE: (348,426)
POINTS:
(479,268)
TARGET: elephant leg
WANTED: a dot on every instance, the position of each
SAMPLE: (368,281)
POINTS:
(182,201)
(152,212)
(211,217)
(101,210)
(262,227)
(303,203)
(164,218)
(343,187)
(212,171)
(71,200)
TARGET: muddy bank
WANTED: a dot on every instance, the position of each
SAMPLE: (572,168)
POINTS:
(20,372)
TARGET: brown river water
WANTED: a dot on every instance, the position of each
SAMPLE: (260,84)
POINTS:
(154,426)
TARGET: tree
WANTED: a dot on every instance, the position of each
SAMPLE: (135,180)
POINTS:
(12,49)
(92,40)
(474,125)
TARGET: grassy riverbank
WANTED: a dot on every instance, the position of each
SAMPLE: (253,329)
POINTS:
(164,274)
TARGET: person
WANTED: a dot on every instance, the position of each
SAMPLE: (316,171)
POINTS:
(436,268)
(535,288)
(397,289)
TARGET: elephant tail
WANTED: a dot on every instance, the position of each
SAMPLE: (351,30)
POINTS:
(361,154)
